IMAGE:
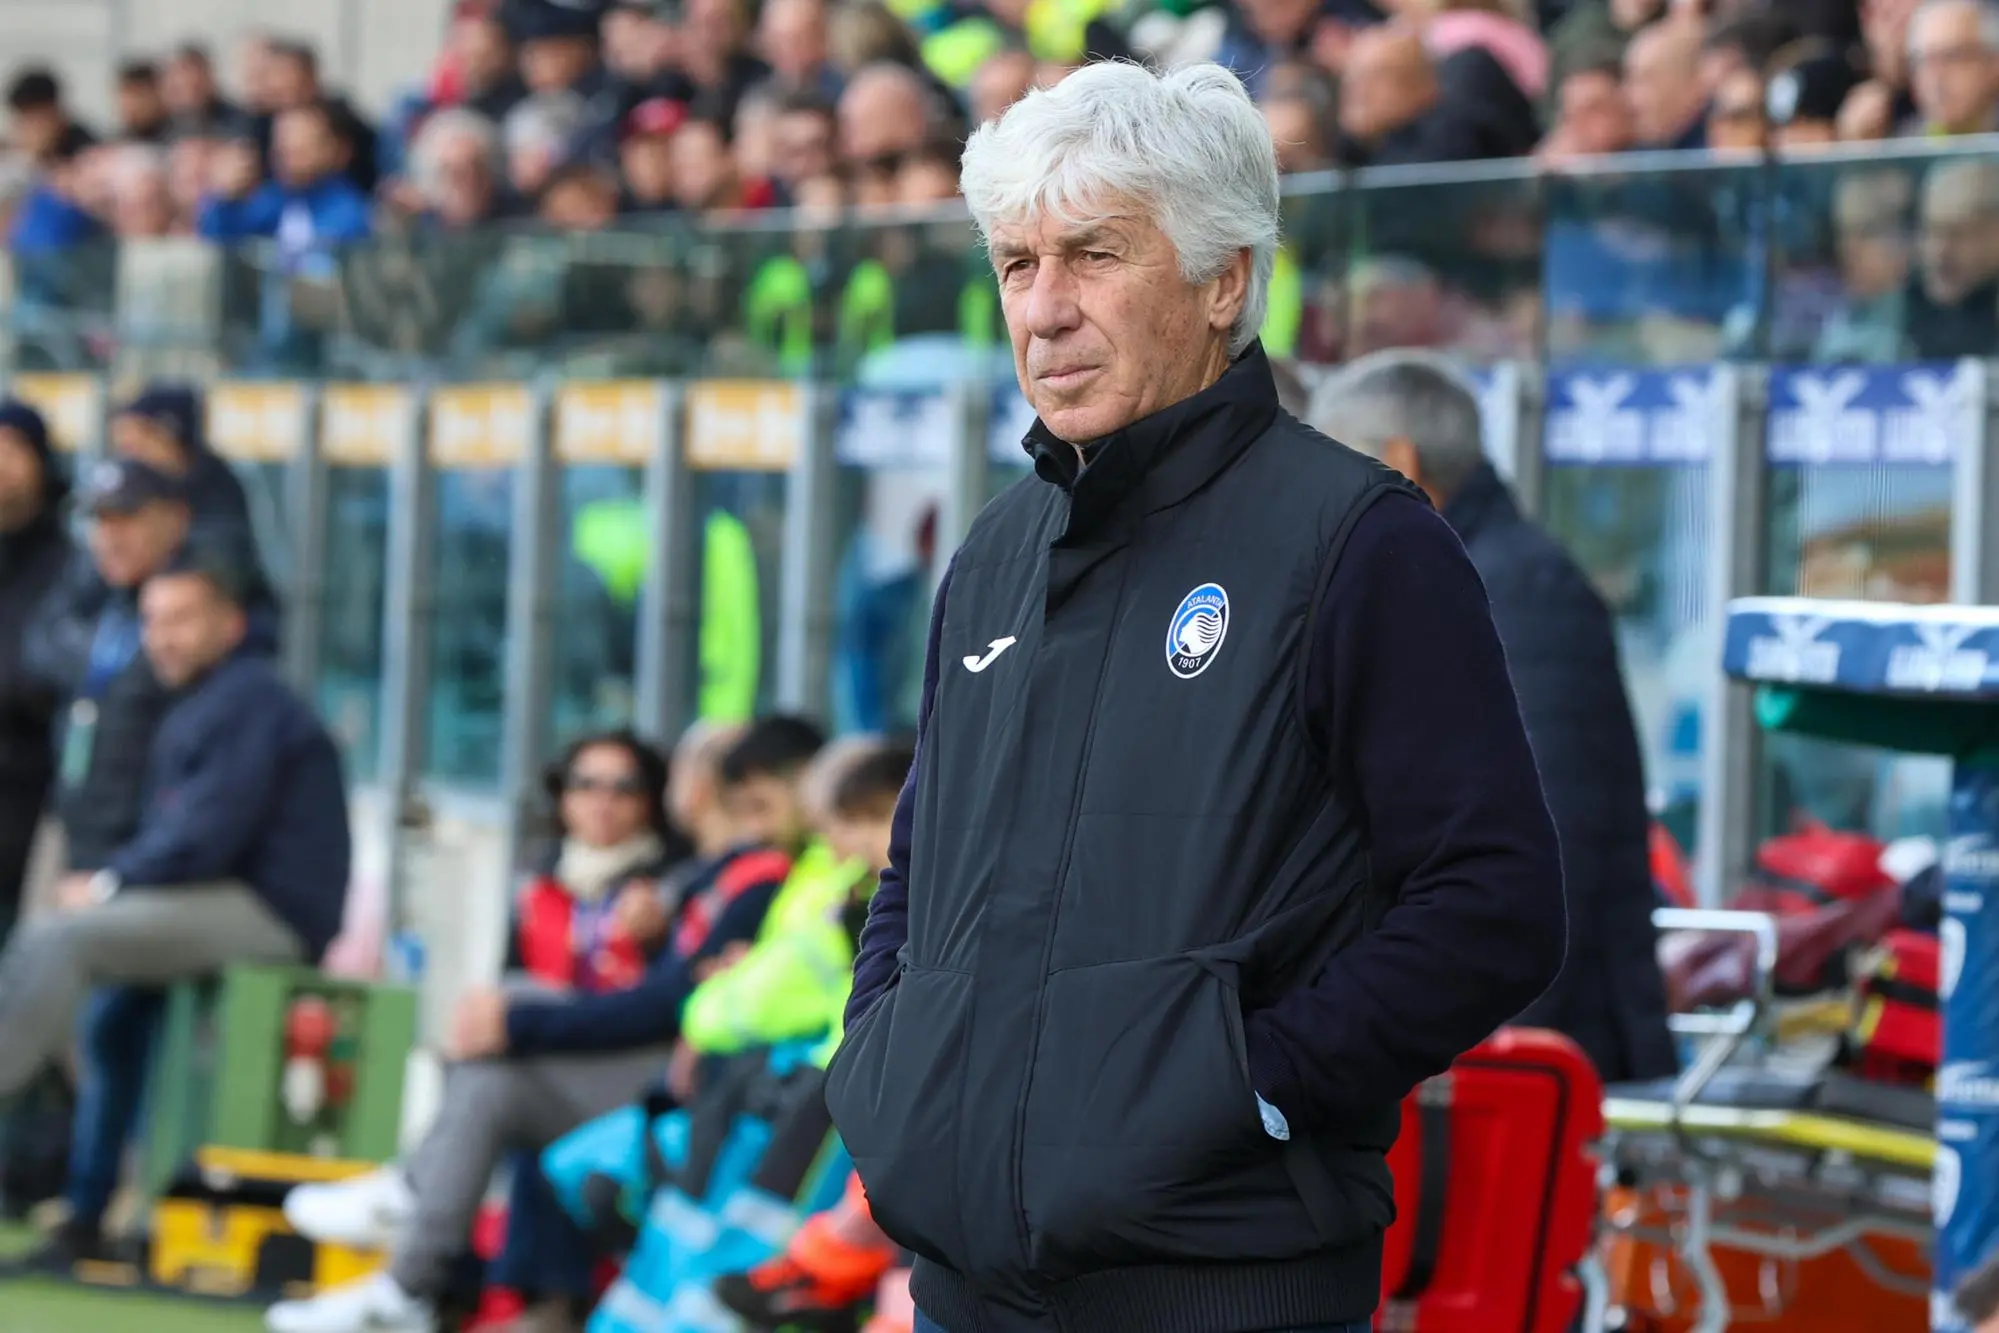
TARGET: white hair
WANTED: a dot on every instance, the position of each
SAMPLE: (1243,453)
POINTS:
(1188,145)
(1988,23)
(442,128)
(547,121)
(1406,394)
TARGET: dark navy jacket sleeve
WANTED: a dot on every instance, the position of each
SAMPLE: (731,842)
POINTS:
(1408,687)
(216,767)
(887,928)
(647,1014)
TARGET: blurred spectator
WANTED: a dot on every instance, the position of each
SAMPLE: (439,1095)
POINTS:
(142,110)
(187,87)
(638,50)
(1396,301)
(804,139)
(864,32)
(1594,30)
(1884,27)
(753,140)
(1662,81)
(256,78)
(42,126)
(190,156)
(1297,127)
(1736,121)
(1398,106)
(455,167)
(1264,34)
(34,553)
(538,135)
(1954,309)
(792,35)
(53,216)
(1744,42)
(1498,27)
(929,176)
(1804,99)
(1954,66)
(1002,79)
(1870,213)
(580,197)
(1594,115)
(645,155)
(162,427)
(294,84)
(713,54)
(886,111)
(485,75)
(558,49)
(310,207)
(1868,113)
(704,172)
(142,204)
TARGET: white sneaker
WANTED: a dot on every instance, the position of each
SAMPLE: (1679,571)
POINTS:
(373,1305)
(364,1213)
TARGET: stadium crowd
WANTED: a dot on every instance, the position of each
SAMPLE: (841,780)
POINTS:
(575,113)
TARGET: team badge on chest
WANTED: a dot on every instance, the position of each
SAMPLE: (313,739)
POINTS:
(1197,630)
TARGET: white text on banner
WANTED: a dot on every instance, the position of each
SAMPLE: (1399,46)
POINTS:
(479,425)
(614,422)
(744,425)
(362,425)
(262,423)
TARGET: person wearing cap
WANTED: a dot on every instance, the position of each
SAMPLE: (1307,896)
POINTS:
(645,154)
(240,853)
(34,551)
(161,426)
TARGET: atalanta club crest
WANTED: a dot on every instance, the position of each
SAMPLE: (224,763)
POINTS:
(1197,630)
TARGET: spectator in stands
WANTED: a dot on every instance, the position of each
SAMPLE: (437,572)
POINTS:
(1743,43)
(162,426)
(295,85)
(1884,25)
(1264,34)
(53,216)
(1662,81)
(580,197)
(142,110)
(1495,26)
(1954,307)
(142,204)
(714,54)
(485,69)
(887,110)
(1002,79)
(704,172)
(34,554)
(539,134)
(1871,229)
(256,77)
(312,205)
(241,853)
(1298,124)
(531,1070)
(455,167)
(804,139)
(1804,101)
(1868,113)
(1412,411)
(1399,107)
(187,87)
(42,126)
(792,36)
(638,42)
(1596,30)
(645,155)
(1594,116)
(1954,66)
(1736,119)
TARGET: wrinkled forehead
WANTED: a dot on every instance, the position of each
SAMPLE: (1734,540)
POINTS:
(1059,226)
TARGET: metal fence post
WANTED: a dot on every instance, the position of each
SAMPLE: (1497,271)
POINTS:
(667,617)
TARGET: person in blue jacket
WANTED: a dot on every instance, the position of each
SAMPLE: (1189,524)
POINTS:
(311,207)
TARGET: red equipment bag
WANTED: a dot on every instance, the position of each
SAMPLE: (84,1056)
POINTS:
(1495,1191)
(1898,1030)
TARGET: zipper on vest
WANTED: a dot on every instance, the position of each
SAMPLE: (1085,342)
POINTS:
(1048,940)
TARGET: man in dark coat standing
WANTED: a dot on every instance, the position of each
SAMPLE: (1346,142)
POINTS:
(34,552)
(1413,411)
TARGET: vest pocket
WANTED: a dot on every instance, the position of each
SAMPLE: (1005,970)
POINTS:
(894,1088)
(1143,1141)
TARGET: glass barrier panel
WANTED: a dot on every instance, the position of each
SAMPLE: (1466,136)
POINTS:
(1654,259)
(742,438)
(62,316)
(1307,316)
(361,430)
(1860,477)
(1626,492)
(604,436)
(1445,263)
(893,452)
(477,435)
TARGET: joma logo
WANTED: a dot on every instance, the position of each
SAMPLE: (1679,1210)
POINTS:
(1939,662)
(1792,652)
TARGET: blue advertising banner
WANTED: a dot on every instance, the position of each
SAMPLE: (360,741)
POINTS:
(882,429)
(1872,415)
(1966,1201)
(1865,647)
(1640,418)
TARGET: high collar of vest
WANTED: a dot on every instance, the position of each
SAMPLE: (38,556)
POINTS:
(1482,502)
(1160,460)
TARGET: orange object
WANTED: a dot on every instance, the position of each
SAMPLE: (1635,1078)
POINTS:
(1495,1190)
(1669,867)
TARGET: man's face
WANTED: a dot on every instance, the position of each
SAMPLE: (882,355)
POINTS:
(1388,84)
(1953,77)
(1003,80)
(804,146)
(580,202)
(1279,22)
(924,183)
(1595,115)
(793,36)
(140,109)
(186,626)
(879,118)
(304,148)
(464,182)
(144,440)
(552,64)
(37,130)
(187,172)
(142,207)
(1105,330)
(765,808)
(702,170)
(293,82)
(647,162)
(1873,241)
(1884,24)
(257,66)
(1960,235)
(860,838)
(1294,130)
(1662,82)
(186,85)
(131,547)
(484,54)
(21,481)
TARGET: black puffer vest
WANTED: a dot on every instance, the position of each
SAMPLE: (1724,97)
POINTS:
(1124,838)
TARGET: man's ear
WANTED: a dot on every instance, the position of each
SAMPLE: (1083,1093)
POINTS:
(1231,292)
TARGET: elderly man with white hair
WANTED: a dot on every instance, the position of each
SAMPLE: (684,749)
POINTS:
(1223,832)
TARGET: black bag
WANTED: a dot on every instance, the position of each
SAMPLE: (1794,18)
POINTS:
(34,1144)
